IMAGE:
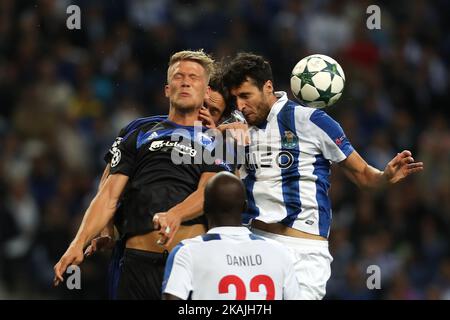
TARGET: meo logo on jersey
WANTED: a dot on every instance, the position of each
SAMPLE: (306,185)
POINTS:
(265,157)
(283,160)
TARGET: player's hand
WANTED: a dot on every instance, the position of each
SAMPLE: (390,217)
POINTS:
(238,130)
(205,117)
(72,256)
(401,166)
(100,243)
(168,224)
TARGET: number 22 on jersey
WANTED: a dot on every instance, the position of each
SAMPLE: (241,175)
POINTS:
(241,290)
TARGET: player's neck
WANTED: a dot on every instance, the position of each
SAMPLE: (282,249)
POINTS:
(213,224)
(272,100)
(187,118)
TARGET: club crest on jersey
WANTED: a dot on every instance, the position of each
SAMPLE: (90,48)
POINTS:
(289,140)
(204,139)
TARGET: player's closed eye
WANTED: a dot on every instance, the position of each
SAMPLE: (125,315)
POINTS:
(177,76)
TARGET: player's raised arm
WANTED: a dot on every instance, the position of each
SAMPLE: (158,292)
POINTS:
(99,212)
(364,175)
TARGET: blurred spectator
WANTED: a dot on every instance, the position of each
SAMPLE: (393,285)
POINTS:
(65,94)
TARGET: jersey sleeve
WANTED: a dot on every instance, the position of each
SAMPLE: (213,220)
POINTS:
(128,129)
(332,140)
(178,273)
(124,155)
(110,153)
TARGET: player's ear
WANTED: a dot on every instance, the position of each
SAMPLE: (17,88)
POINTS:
(268,87)
(166,90)
(207,92)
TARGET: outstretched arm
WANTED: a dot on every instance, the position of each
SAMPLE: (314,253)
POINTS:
(106,238)
(366,176)
(99,212)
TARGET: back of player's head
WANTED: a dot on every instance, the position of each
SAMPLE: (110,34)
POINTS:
(247,65)
(225,199)
(198,56)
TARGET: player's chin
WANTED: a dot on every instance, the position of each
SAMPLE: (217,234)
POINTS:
(186,104)
(254,120)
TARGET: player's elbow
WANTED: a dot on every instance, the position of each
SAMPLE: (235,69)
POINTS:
(364,185)
(105,202)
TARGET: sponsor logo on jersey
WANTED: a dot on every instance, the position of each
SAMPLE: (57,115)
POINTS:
(116,144)
(116,158)
(181,148)
(116,155)
(143,138)
(340,140)
(283,160)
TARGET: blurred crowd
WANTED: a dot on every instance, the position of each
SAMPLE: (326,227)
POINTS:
(65,94)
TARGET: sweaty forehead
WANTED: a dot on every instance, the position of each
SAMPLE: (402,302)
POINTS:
(246,87)
(215,99)
(187,66)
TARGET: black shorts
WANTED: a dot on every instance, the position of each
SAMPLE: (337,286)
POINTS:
(141,275)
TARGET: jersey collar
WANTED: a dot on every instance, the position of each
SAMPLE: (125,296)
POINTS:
(230,230)
(282,99)
(176,125)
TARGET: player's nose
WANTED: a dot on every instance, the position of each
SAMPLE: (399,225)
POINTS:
(240,104)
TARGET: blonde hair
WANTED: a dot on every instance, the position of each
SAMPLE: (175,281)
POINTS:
(198,56)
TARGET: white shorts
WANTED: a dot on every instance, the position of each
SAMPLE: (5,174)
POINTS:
(312,261)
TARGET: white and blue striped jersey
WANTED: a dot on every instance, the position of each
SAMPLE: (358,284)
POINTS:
(287,168)
(230,263)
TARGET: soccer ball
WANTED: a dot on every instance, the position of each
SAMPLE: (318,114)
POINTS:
(317,80)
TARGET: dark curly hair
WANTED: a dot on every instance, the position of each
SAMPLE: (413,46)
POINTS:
(216,84)
(247,65)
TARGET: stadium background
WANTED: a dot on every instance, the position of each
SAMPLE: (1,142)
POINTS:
(65,94)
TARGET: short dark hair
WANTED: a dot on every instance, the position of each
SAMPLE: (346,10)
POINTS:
(224,199)
(247,65)
(216,84)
